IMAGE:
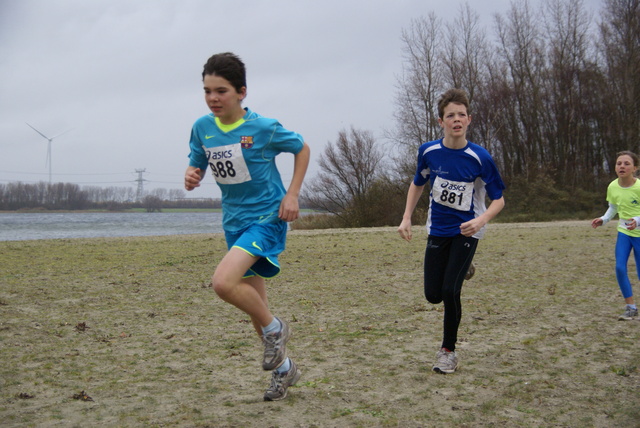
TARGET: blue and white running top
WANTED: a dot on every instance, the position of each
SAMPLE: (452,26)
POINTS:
(460,179)
(242,160)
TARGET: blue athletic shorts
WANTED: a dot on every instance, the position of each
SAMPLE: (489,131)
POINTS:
(265,241)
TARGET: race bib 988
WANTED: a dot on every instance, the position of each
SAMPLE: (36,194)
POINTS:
(453,194)
(227,164)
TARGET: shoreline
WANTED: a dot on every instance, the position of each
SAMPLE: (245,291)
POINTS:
(311,232)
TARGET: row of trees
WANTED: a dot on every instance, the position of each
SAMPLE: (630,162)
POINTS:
(554,96)
(69,196)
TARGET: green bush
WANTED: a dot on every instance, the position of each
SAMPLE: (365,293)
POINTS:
(527,200)
(316,221)
(542,199)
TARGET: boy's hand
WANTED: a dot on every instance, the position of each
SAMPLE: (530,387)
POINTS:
(192,178)
(405,230)
(289,209)
(471,227)
(596,222)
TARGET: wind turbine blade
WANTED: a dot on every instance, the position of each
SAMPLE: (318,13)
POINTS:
(48,161)
(37,131)
(62,133)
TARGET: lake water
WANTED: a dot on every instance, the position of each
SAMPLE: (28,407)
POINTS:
(28,226)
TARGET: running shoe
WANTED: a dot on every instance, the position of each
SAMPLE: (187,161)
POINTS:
(470,272)
(275,346)
(280,383)
(446,362)
(628,314)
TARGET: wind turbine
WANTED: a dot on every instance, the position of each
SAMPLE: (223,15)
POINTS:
(48,146)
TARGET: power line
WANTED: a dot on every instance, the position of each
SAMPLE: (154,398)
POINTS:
(57,174)
(72,182)
(177,176)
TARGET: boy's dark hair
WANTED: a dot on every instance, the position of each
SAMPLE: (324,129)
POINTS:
(629,153)
(228,66)
(455,95)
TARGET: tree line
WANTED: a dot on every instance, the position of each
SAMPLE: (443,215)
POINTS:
(70,196)
(554,93)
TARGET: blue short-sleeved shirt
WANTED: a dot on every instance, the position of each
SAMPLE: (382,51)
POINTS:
(460,180)
(242,160)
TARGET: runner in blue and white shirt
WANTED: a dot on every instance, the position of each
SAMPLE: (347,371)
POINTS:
(240,147)
(461,174)
(460,179)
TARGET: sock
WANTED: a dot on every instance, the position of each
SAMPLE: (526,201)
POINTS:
(284,367)
(274,326)
(630,306)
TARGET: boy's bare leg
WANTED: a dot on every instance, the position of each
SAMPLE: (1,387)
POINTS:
(258,284)
(249,295)
(246,294)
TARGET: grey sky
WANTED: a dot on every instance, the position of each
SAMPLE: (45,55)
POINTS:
(126,76)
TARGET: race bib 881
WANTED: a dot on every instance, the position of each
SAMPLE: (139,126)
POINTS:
(453,194)
(227,164)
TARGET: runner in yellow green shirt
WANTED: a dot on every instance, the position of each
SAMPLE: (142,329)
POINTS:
(623,195)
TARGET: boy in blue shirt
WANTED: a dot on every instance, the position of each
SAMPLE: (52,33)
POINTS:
(460,174)
(240,146)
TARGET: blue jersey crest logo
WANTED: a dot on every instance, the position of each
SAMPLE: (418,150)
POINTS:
(246,142)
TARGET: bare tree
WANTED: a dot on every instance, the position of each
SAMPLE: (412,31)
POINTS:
(152,203)
(349,170)
(620,50)
(521,48)
(421,81)
(159,193)
(465,54)
(418,87)
(175,194)
(568,131)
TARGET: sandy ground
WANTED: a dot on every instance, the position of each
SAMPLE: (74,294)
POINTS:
(126,332)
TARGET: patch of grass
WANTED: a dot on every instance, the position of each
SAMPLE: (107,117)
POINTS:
(623,371)
(133,323)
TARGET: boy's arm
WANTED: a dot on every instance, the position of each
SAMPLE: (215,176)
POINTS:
(413,196)
(289,208)
(472,227)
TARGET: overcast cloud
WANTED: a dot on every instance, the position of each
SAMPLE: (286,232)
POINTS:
(125,77)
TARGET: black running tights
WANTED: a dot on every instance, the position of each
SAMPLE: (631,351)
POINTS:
(446,262)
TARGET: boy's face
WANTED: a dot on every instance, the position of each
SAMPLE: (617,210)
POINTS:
(223,99)
(455,120)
